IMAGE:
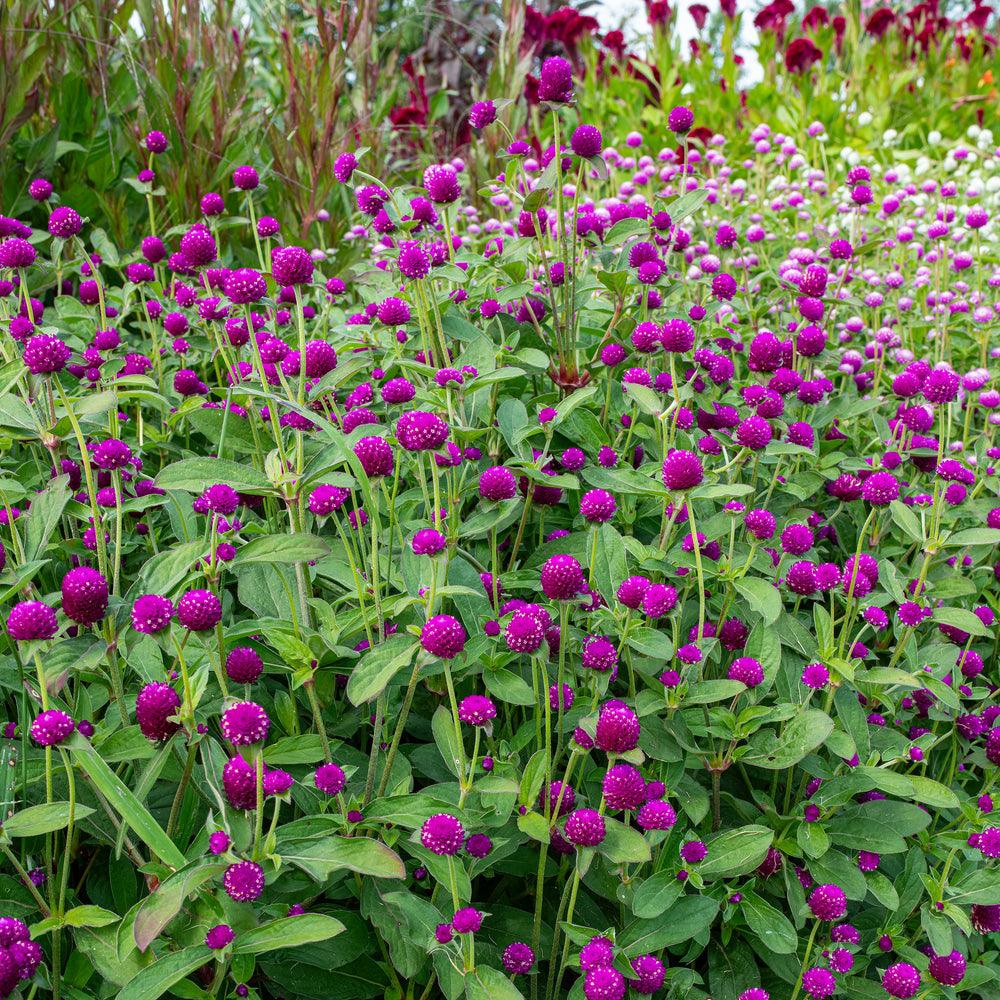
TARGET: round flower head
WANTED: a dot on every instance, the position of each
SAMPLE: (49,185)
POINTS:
(44,354)
(414,261)
(32,620)
(556,81)
(218,842)
(245,178)
(517,959)
(84,595)
(754,994)
(199,610)
(51,727)
(443,636)
(754,433)
(152,613)
(497,483)
(650,974)
(245,723)
(441,182)
(428,542)
(478,845)
(632,590)
(693,851)
(599,654)
(375,456)
(562,578)
(597,506)
(617,729)
(239,782)
(41,190)
(682,470)
(585,828)
(901,980)
(604,983)
(442,834)
(586,141)
(880,489)
(245,285)
(482,113)
(623,787)
(343,167)
(524,633)
(330,779)
(467,920)
(948,970)
(112,454)
(16,253)
(680,120)
(198,247)
(244,665)
(828,902)
(657,814)
(65,222)
(219,936)
(243,881)
(418,430)
(291,266)
(818,983)
(746,669)
(476,710)
(154,706)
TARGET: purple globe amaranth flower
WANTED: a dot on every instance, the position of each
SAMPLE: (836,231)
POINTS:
(556,81)
(442,834)
(245,178)
(755,993)
(880,489)
(586,141)
(754,433)
(623,787)
(198,248)
(441,181)
(597,952)
(428,542)
(239,782)
(330,779)
(680,120)
(245,285)
(693,852)
(901,980)
(218,842)
(111,454)
(151,613)
(84,595)
(650,973)
(948,970)
(291,266)
(517,958)
(746,669)
(476,710)
(44,354)
(154,706)
(478,845)
(199,610)
(467,920)
(418,430)
(524,633)
(51,727)
(617,728)
(243,881)
(682,470)
(31,620)
(443,933)
(604,983)
(597,506)
(828,902)
(561,578)
(16,253)
(657,814)
(482,113)
(343,167)
(375,456)
(414,261)
(245,723)
(497,483)
(65,222)
(585,828)
(818,983)
(443,635)
(219,936)
(41,190)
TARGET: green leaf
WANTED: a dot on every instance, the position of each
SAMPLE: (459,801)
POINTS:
(706,692)
(79,916)
(292,548)
(486,983)
(906,520)
(43,518)
(622,844)
(688,203)
(288,932)
(610,566)
(736,852)
(981,886)
(960,618)
(534,825)
(443,727)
(162,572)
(508,687)
(773,928)
(357,854)
(170,968)
(160,907)
(932,793)
(196,474)
(762,596)
(656,895)
(378,666)
(801,736)
(883,890)
(36,820)
(572,401)
(974,536)
(104,246)
(125,803)
(689,916)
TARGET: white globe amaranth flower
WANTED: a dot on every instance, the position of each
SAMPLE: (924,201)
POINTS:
(933,137)
(973,131)
(864,119)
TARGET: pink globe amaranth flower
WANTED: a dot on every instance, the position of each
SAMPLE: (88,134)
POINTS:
(245,723)
(524,633)
(111,454)
(221,499)
(948,970)
(467,920)
(414,261)
(32,620)
(218,842)
(245,285)
(556,81)
(599,654)
(418,430)
(828,902)
(497,483)
(243,881)
(561,578)
(375,456)
(65,222)
(597,952)
(586,141)
(245,178)
(151,613)
(476,710)
(326,500)
(682,470)
(154,705)
(84,595)
(198,247)
(441,181)
(585,828)
(330,779)
(650,973)
(604,983)
(16,253)
(393,312)
(680,120)
(901,980)
(343,167)
(754,433)
(291,266)
(219,936)
(632,590)
(693,852)
(277,782)
(755,993)
(746,669)
(44,354)
(880,489)
(597,506)
(199,610)
(398,390)
(428,542)
(617,729)
(482,113)
(41,190)
(623,787)
(443,635)
(239,782)
(51,727)
(657,814)
(442,834)
(818,983)
(156,142)
(517,958)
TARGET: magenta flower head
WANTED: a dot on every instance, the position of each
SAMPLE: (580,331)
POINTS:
(818,983)
(291,266)
(199,610)
(985,917)
(16,253)
(198,247)
(45,354)
(562,578)
(497,483)
(65,222)
(585,827)
(682,470)
(245,285)
(246,179)
(597,506)
(428,542)
(624,787)
(243,881)
(657,814)
(482,113)
(414,261)
(330,779)
(754,994)
(880,489)
(828,902)
(245,723)
(604,983)
(219,936)
(219,841)
(754,433)
(111,454)
(680,120)
(617,728)
(441,182)
(30,620)
(51,727)
(467,920)
(154,706)
(746,669)
(41,190)
(586,141)
(517,959)
(84,595)
(443,636)
(650,973)
(948,970)
(375,456)
(901,980)
(239,781)
(556,81)
(476,710)
(156,142)
(442,834)
(343,167)
(152,613)
(524,633)
(816,676)
(418,430)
